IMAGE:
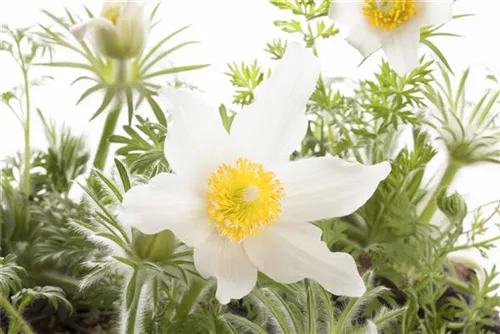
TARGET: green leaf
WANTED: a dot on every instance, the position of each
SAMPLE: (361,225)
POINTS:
(160,115)
(108,97)
(68,64)
(126,261)
(159,44)
(164,54)
(131,289)
(86,226)
(89,92)
(227,120)
(130,104)
(112,237)
(461,87)
(173,70)
(438,53)
(488,108)
(83,77)
(244,323)
(110,185)
(123,175)
(271,307)
(89,13)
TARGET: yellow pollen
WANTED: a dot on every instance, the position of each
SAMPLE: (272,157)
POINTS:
(243,199)
(112,12)
(389,14)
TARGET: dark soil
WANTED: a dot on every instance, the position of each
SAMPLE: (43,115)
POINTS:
(45,320)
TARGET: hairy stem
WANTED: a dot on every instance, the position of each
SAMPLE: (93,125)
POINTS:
(15,317)
(107,131)
(311,308)
(27,147)
(132,312)
(448,177)
(112,118)
(190,298)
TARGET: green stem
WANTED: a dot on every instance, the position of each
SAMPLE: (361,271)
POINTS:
(483,243)
(343,320)
(458,284)
(311,308)
(112,118)
(108,130)
(448,177)
(15,317)
(189,298)
(131,321)
(27,147)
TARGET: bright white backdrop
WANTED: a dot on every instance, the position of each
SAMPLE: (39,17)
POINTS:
(237,30)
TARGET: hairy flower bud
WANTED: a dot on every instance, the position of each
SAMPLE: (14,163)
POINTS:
(119,33)
(453,206)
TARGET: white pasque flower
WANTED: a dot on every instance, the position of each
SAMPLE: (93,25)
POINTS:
(393,25)
(120,32)
(238,200)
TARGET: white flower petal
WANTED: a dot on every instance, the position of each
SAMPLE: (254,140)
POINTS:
(274,125)
(326,187)
(81,29)
(132,28)
(290,252)
(402,47)
(167,202)
(217,257)
(346,11)
(196,141)
(103,33)
(365,39)
(435,12)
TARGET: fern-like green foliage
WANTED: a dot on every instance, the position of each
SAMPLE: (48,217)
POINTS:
(467,128)
(55,297)
(66,157)
(142,147)
(11,275)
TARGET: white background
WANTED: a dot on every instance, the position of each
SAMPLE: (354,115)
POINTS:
(237,30)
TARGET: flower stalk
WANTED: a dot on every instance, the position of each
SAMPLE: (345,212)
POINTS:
(112,118)
(131,319)
(27,131)
(190,298)
(448,177)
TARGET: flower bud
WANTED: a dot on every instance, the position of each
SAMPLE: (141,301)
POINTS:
(453,206)
(119,33)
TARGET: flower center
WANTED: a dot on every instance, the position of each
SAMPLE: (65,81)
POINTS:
(243,198)
(389,14)
(112,12)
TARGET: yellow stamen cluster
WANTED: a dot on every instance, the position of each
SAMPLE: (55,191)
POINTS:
(389,14)
(112,12)
(243,198)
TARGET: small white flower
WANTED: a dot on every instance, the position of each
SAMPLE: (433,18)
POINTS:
(238,200)
(120,32)
(393,25)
